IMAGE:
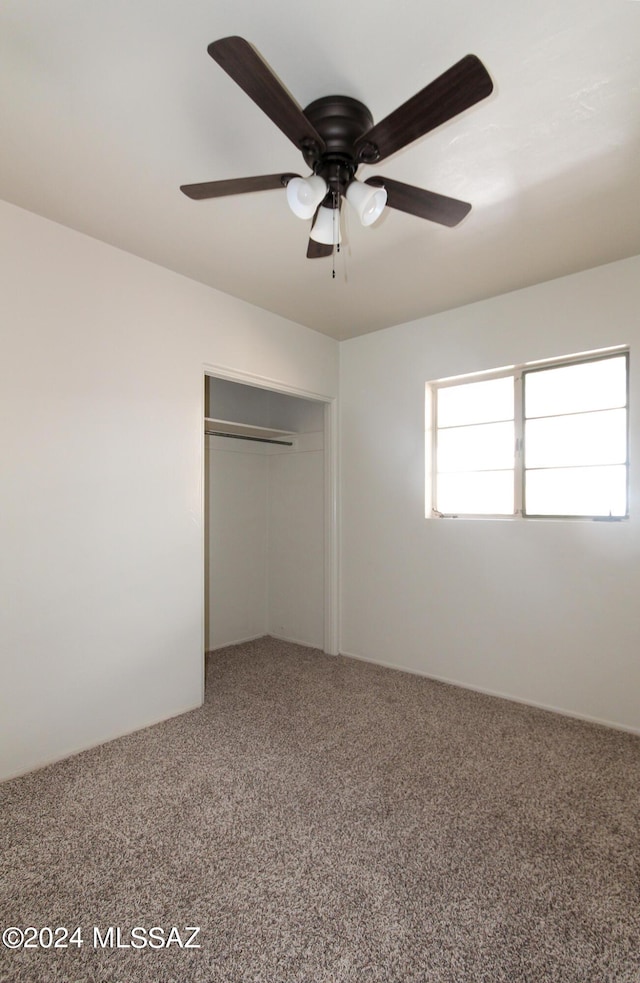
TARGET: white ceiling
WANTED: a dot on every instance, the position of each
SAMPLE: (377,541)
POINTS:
(107,106)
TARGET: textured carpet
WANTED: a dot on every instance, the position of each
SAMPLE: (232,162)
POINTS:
(323,820)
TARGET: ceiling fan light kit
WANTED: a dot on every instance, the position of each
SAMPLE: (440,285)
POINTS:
(326,228)
(336,134)
(368,202)
(304,194)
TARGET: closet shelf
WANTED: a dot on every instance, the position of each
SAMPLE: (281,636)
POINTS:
(227,428)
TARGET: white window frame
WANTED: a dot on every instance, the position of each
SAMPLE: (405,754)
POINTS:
(518,374)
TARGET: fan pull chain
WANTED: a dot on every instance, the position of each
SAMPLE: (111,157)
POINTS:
(336,234)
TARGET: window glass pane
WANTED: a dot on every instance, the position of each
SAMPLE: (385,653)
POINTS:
(585,438)
(575,388)
(480,492)
(475,402)
(488,446)
(576,491)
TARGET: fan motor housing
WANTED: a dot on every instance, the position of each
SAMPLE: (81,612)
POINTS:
(340,121)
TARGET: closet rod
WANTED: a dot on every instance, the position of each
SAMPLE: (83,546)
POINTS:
(238,436)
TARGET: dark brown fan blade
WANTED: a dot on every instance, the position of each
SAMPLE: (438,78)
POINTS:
(461,86)
(249,70)
(424,204)
(316,250)
(236,186)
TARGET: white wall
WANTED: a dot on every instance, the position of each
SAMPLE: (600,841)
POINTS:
(101,514)
(295,555)
(543,611)
(236,537)
(265,558)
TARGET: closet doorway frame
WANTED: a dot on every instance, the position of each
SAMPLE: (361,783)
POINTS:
(331,563)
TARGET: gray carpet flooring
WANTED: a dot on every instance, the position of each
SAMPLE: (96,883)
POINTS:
(322,820)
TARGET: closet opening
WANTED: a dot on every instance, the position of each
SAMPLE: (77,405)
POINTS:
(269,515)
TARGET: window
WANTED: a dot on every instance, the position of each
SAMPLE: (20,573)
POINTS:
(546,440)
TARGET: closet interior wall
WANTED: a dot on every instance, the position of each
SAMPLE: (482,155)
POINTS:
(264,553)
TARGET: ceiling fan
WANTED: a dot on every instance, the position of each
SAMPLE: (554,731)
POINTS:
(336,134)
